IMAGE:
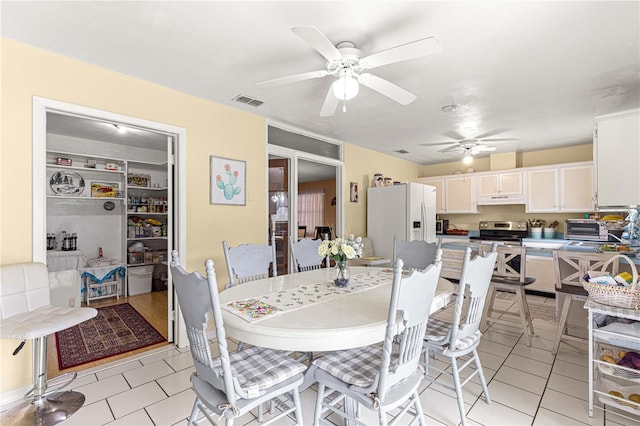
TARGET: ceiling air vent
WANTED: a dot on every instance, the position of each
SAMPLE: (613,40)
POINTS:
(401,151)
(247,100)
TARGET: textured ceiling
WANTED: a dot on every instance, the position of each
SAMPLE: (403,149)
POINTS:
(537,72)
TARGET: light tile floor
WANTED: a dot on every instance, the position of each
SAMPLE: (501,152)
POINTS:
(528,385)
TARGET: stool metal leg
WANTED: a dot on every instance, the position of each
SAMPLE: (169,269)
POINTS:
(44,407)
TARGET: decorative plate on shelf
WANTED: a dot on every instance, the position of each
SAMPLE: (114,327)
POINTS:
(66,183)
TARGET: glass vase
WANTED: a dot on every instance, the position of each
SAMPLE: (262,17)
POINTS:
(342,273)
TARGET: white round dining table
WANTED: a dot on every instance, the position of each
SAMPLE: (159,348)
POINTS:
(343,322)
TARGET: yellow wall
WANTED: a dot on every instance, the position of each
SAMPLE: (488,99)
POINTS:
(568,154)
(360,166)
(211,129)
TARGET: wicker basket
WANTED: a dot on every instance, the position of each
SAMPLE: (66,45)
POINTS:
(620,296)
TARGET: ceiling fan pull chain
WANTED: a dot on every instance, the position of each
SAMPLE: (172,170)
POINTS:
(344,106)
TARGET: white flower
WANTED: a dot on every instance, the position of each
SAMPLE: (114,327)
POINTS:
(348,251)
(341,249)
(323,250)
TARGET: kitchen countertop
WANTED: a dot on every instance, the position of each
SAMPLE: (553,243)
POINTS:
(535,246)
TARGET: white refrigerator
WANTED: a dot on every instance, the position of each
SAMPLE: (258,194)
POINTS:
(407,211)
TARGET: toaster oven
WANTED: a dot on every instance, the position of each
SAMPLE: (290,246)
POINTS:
(586,230)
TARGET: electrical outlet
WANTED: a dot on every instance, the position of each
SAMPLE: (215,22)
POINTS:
(72,302)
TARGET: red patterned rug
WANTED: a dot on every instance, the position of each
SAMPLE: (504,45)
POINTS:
(115,330)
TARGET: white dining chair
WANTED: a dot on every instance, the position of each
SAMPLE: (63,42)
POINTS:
(416,254)
(232,384)
(510,276)
(461,336)
(249,262)
(383,377)
(305,254)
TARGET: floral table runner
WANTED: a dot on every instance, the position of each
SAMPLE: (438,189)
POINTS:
(277,302)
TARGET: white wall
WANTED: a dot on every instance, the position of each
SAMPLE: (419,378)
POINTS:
(94,225)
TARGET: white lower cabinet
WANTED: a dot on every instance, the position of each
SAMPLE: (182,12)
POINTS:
(613,387)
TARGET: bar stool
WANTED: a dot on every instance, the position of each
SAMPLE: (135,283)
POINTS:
(510,275)
(26,313)
(570,267)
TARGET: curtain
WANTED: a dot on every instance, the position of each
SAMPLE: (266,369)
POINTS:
(311,210)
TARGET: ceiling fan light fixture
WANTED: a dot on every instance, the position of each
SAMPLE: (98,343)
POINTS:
(467,159)
(345,88)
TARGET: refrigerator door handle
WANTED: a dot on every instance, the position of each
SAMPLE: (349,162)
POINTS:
(422,219)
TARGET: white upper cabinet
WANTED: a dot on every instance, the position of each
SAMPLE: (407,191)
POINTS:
(454,194)
(438,183)
(542,190)
(562,188)
(616,154)
(576,188)
(501,188)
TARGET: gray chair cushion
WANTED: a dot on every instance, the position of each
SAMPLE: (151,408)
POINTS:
(438,332)
(355,366)
(257,369)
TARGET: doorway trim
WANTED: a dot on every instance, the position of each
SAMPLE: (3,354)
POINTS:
(41,106)
(293,156)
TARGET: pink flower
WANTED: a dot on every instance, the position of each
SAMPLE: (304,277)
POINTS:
(227,167)
(236,173)
(218,177)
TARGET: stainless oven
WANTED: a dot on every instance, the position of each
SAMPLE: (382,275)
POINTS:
(586,230)
(506,231)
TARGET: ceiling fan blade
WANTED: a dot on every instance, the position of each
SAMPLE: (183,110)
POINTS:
(318,41)
(491,133)
(498,139)
(482,148)
(387,88)
(292,78)
(454,148)
(454,135)
(404,52)
(330,104)
(437,143)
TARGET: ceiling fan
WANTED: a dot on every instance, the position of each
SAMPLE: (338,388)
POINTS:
(470,146)
(346,63)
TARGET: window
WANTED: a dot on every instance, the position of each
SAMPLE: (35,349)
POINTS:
(311,209)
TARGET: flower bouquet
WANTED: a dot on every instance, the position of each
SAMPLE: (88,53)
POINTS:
(341,250)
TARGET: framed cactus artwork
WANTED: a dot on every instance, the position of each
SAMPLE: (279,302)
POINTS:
(228,181)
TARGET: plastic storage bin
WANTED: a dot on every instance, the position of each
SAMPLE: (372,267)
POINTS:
(140,278)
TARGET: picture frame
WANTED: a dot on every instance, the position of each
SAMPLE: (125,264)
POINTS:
(228,181)
(102,189)
(353,193)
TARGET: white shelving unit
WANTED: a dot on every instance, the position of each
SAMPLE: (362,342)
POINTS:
(79,182)
(605,377)
(147,204)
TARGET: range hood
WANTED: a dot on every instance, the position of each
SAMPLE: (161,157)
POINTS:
(489,200)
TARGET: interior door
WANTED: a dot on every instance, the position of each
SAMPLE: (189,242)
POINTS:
(293,172)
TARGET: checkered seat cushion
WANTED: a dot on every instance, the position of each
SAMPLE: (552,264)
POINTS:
(356,366)
(257,369)
(438,333)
